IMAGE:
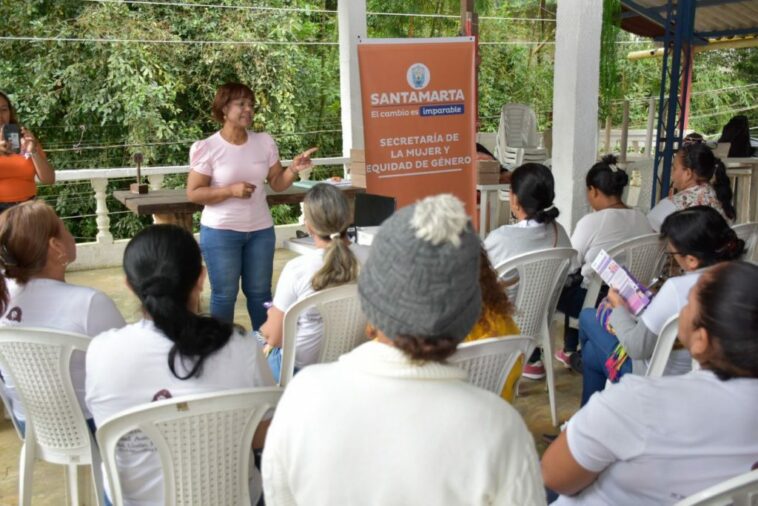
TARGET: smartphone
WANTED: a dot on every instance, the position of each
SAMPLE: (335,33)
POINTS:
(12,135)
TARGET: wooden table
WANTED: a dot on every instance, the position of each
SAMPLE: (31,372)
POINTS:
(173,206)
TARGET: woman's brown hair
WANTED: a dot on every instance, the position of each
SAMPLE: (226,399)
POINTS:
(728,311)
(327,213)
(494,298)
(25,233)
(225,94)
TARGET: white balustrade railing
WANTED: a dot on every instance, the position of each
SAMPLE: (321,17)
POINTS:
(98,179)
(103,251)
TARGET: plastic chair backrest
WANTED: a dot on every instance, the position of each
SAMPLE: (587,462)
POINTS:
(490,361)
(203,442)
(748,232)
(38,362)
(741,490)
(640,255)
(663,347)
(518,123)
(541,275)
(344,326)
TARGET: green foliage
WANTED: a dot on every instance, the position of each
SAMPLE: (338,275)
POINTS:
(609,83)
(95,104)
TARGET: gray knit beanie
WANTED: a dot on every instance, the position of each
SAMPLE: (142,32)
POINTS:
(422,276)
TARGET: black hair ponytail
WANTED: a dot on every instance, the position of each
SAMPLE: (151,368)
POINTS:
(534,186)
(700,159)
(162,265)
(723,189)
(702,232)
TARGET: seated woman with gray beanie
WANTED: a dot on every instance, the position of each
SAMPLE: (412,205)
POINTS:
(390,422)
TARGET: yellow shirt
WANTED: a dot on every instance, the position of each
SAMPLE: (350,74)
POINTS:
(498,326)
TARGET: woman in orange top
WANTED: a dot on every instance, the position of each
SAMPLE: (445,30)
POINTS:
(17,171)
(495,319)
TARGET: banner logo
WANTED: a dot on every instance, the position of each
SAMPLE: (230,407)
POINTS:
(418,76)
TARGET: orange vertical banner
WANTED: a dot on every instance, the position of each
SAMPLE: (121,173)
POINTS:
(419,117)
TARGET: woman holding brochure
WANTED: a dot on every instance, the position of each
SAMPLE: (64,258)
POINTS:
(659,440)
(227,175)
(697,237)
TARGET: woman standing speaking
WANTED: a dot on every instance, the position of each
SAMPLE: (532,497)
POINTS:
(227,174)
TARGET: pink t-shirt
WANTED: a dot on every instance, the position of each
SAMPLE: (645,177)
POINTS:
(227,164)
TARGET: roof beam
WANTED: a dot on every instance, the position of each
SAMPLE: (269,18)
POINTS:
(700,3)
(728,33)
(646,12)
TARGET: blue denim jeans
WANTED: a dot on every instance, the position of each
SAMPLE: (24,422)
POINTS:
(597,345)
(275,363)
(231,255)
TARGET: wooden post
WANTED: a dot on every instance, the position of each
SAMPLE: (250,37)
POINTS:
(624,131)
(139,186)
(470,27)
(608,126)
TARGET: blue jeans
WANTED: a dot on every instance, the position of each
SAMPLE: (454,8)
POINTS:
(597,345)
(230,255)
(275,363)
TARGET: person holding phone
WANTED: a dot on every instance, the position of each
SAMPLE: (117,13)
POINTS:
(21,159)
(227,175)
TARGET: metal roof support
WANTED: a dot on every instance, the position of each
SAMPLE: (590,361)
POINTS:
(673,103)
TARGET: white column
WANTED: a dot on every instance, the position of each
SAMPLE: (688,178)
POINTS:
(101,210)
(352,24)
(575,103)
(650,127)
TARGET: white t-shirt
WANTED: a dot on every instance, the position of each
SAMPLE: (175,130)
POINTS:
(660,212)
(129,366)
(227,164)
(669,300)
(526,236)
(604,229)
(659,440)
(374,428)
(295,284)
(57,305)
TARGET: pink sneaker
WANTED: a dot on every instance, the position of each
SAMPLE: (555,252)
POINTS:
(534,371)
(563,357)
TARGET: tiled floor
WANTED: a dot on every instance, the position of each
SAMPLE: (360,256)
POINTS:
(48,484)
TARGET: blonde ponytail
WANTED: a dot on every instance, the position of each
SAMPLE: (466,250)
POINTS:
(328,214)
(340,265)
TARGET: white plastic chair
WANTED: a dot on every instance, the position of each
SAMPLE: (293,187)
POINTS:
(741,490)
(663,347)
(203,442)
(56,431)
(489,362)
(344,326)
(640,255)
(541,276)
(517,136)
(748,232)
